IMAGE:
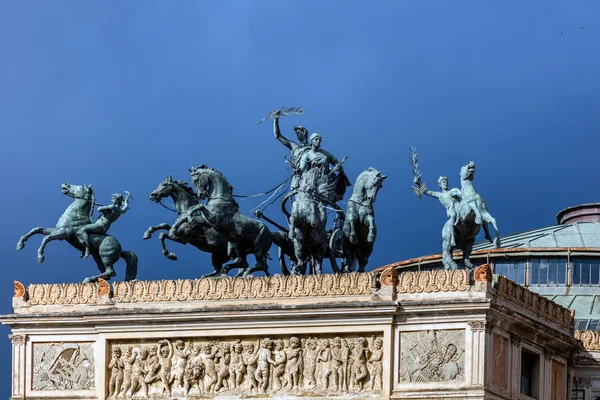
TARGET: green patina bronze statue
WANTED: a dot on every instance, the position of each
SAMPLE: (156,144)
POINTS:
(466,211)
(77,219)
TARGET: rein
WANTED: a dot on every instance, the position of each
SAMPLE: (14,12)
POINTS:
(264,193)
(83,198)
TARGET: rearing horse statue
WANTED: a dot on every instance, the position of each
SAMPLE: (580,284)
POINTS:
(473,214)
(244,234)
(105,249)
(196,232)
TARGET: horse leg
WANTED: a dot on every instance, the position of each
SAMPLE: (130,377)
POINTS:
(152,229)
(105,262)
(261,247)
(370,222)
(53,234)
(478,218)
(34,231)
(349,229)
(363,260)
(217,259)
(467,247)
(166,253)
(487,218)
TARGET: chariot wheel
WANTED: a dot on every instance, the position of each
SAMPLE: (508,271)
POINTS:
(336,251)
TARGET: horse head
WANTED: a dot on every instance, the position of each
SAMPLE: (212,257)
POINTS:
(163,189)
(467,171)
(369,182)
(84,192)
(209,182)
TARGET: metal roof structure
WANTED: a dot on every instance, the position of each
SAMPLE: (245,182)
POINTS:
(578,234)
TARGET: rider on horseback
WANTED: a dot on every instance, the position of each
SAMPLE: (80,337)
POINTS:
(110,213)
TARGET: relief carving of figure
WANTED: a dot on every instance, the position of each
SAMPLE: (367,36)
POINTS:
(338,364)
(223,358)
(128,361)
(165,356)
(310,363)
(324,363)
(116,373)
(294,363)
(194,371)
(208,356)
(265,360)
(280,358)
(237,368)
(138,373)
(250,360)
(181,352)
(376,364)
(359,363)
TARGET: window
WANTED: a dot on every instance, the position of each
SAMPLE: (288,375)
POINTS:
(529,372)
(513,270)
(548,271)
(586,272)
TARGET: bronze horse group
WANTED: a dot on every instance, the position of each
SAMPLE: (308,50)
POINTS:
(216,226)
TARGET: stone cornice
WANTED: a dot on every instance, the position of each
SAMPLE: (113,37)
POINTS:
(533,302)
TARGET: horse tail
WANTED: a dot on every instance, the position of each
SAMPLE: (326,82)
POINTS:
(132,262)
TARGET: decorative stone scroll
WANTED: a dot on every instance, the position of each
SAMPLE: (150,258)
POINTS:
(533,302)
(433,281)
(432,356)
(590,339)
(275,287)
(63,293)
(290,366)
(63,366)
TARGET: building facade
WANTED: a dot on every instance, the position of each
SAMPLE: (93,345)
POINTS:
(418,335)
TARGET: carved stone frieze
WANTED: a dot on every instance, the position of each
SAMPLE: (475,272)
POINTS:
(589,339)
(289,366)
(63,366)
(389,277)
(63,293)
(533,302)
(275,287)
(432,356)
(483,273)
(433,281)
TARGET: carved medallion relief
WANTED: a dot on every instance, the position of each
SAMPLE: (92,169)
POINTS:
(63,366)
(287,365)
(432,356)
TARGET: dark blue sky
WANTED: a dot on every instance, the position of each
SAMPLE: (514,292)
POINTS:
(120,94)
